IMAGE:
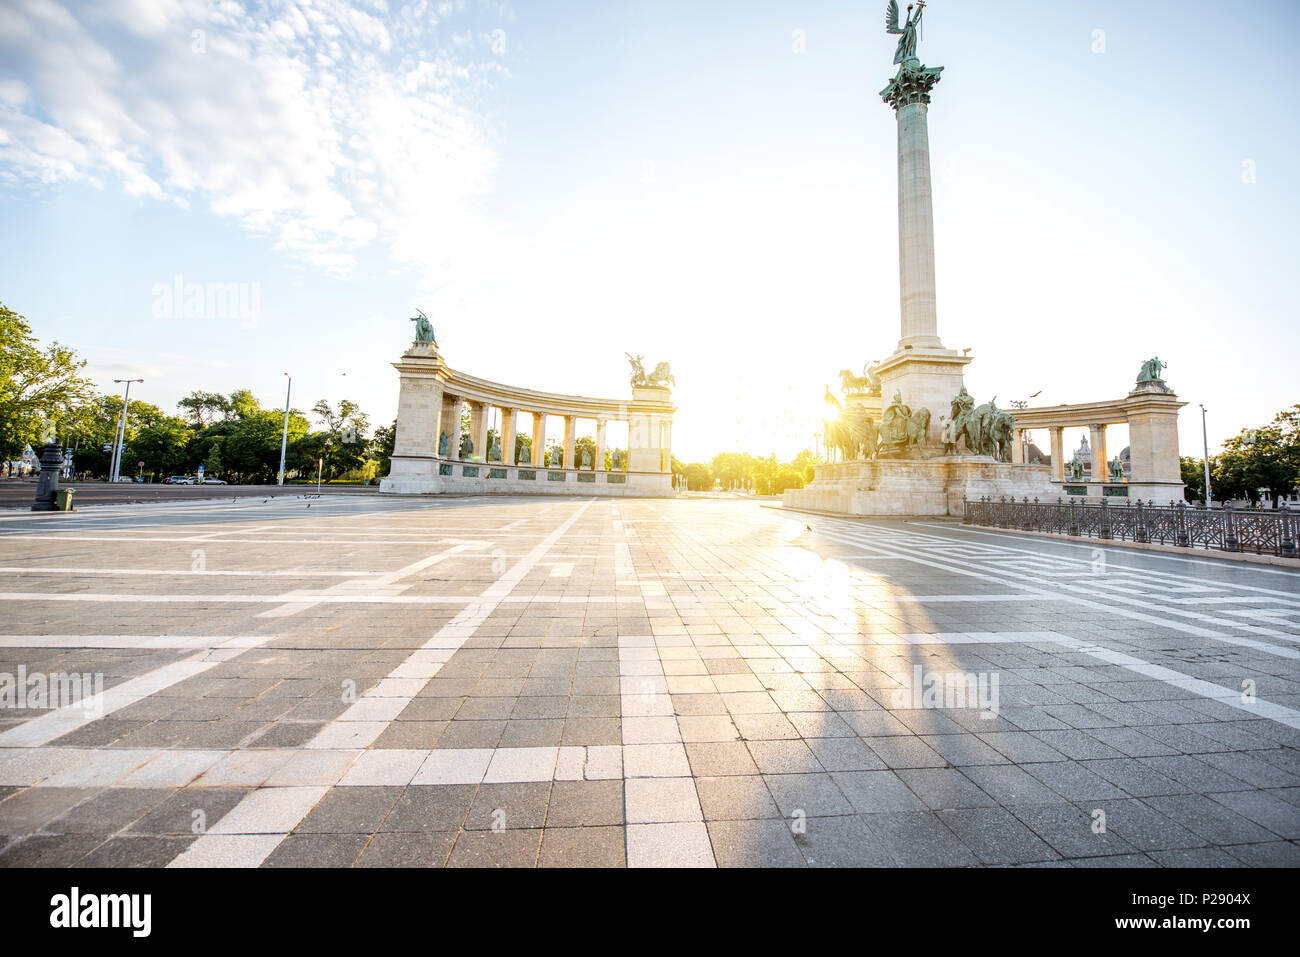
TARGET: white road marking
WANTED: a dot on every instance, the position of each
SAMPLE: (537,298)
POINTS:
(45,728)
(354,729)
(383,583)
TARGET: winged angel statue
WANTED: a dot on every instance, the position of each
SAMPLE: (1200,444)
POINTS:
(908,32)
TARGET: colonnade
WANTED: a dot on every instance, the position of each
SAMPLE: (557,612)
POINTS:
(427,450)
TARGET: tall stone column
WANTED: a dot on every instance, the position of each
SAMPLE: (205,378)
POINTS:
(1058,453)
(453,431)
(478,429)
(920,319)
(1018,447)
(420,412)
(601,440)
(539,439)
(507,436)
(924,373)
(570,438)
(668,445)
(419,403)
(1152,413)
(1100,464)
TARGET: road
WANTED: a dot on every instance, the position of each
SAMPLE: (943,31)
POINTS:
(601,682)
(19,493)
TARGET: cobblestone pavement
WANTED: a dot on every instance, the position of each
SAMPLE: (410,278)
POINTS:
(508,681)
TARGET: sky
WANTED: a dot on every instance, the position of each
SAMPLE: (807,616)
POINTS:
(711,184)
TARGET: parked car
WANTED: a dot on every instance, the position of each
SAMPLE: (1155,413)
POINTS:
(178,480)
(212,481)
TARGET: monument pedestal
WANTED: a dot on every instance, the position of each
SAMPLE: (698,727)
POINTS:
(927,378)
(918,487)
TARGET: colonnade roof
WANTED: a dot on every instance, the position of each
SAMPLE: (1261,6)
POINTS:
(651,401)
(1083,414)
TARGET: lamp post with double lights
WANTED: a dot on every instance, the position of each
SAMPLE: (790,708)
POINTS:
(120,438)
(284,436)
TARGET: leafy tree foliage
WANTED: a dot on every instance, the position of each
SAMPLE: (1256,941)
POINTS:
(35,382)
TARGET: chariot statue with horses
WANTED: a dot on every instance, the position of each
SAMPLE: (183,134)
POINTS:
(660,378)
(868,383)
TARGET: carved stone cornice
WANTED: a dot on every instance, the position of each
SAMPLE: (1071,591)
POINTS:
(912,85)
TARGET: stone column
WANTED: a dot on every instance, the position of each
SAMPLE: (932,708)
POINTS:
(920,325)
(1100,464)
(1153,443)
(453,430)
(601,438)
(570,437)
(478,429)
(507,436)
(421,409)
(1058,453)
(539,439)
(1018,447)
(419,406)
(668,445)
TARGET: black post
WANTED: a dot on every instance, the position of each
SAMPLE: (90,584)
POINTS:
(1288,533)
(1182,537)
(1230,543)
(47,486)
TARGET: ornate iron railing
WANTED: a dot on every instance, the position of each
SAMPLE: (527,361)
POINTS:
(1270,531)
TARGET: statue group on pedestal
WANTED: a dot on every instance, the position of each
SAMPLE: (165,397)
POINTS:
(423,328)
(866,384)
(986,429)
(856,435)
(661,377)
(1153,373)
(851,431)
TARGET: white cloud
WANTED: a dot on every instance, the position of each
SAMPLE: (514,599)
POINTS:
(326,124)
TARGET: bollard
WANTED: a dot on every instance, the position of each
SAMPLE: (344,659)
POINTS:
(48,483)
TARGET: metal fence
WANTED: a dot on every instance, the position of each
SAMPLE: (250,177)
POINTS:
(1272,531)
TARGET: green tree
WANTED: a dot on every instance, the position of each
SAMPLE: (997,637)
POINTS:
(1257,461)
(1193,474)
(345,430)
(381,448)
(34,383)
(162,446)
(699,477)
(205,408)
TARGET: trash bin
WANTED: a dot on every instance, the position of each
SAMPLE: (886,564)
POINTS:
(63,500)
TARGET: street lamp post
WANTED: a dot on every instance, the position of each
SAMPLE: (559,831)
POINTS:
(1205,439)
(120,437)
(284,437)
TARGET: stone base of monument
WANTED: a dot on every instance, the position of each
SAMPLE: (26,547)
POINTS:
(937,486)
(420,475)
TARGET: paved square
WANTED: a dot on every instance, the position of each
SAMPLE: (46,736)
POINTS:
(496,681)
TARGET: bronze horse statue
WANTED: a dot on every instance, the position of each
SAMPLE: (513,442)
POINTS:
(856,436)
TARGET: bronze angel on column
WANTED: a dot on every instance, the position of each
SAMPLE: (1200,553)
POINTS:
(908,32)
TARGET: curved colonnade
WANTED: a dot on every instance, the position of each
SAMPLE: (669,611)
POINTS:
(427,453)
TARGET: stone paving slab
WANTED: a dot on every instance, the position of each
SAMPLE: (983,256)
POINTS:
(514,682)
